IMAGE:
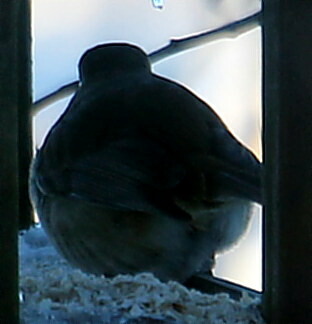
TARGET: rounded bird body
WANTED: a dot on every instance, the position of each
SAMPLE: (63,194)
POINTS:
(139,174)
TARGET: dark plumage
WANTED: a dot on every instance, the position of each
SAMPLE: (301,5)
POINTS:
(139,174)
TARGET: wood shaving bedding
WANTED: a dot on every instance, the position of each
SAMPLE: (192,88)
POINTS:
(54,292)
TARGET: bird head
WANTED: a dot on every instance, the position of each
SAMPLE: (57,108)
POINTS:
(105,61)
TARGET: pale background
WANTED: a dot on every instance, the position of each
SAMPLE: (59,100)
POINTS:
(226,73)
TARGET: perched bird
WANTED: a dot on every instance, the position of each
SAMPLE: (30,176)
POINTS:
(139,174)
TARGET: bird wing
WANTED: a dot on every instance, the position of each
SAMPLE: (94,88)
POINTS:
(126,173)
(198,137)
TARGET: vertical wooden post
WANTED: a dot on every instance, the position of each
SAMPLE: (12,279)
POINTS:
(287,36)
(24,115)
(14,97)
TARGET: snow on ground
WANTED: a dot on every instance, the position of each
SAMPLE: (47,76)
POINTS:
(54,292)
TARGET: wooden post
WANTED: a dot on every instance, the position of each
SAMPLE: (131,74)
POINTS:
(287,36)
(24,114)
(14,98)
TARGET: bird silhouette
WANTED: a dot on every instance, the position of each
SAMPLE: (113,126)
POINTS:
(139,174)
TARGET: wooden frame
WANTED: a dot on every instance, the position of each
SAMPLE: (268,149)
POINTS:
(15,146)
(287,92)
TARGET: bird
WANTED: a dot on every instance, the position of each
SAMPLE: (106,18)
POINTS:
(141,175)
